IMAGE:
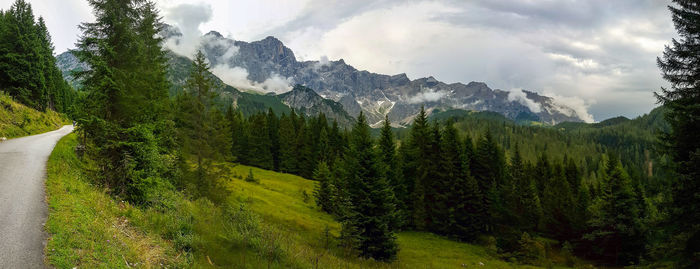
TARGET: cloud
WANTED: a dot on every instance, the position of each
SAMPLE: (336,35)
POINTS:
(222,51)
(583,48)
(518,95)
(238,77)
(572,106)
(323,61)
(428,95)
(187,18)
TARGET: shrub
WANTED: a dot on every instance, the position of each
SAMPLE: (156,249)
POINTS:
(251,177)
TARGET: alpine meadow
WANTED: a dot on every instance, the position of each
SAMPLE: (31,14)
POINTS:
(149,134)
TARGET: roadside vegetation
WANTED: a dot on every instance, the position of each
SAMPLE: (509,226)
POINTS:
(18,120)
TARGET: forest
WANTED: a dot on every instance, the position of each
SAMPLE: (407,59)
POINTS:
(619,192)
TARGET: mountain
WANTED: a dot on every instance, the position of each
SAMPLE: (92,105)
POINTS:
(303,99)
(376,94)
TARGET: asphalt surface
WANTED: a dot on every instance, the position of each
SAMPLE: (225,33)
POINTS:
(23,209)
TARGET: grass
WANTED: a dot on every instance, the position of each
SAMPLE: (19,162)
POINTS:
(281,201)
(19,120)
(88,229)
(271,223)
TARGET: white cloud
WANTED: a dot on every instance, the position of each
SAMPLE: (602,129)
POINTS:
(427,95)
(187,18)
(238,77)
(570,105)
(518,95)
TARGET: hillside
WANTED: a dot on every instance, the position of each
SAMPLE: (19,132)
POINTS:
(19,120)
(285,227)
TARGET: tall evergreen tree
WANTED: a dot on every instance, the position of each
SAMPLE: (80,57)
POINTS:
(388,158)
(287,138)
(680,66)
(122,135)
(199,137)
(370,196)
(614,224)
(418,168)
(324,191)
(528,207)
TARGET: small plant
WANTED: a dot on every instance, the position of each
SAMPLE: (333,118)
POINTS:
(305,196)
(251,177)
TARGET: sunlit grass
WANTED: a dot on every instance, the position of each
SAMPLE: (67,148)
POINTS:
(19,120)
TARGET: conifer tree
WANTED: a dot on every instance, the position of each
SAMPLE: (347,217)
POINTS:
(370,197)
(679,65)
(287,138)
(324,191)
(528,207)
(198,134)
(260,144)
(122,136)
(273,125)
(614,223)
(418,168)
(390,165)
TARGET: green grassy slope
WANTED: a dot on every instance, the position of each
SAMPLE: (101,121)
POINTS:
(19,120)
(88,229)
(281,201)
(281,227)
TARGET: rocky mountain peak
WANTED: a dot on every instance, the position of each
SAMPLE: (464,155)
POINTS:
(374,94)
(215,34)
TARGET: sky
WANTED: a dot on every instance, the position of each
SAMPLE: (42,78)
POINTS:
(598,55)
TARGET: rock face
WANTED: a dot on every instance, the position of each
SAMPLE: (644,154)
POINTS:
(377,95)
(308,102)
(68,63)
(301,98)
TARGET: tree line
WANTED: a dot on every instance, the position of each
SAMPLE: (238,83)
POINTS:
(436,180)
(28,70)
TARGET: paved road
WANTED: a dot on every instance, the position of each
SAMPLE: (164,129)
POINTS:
(23,208)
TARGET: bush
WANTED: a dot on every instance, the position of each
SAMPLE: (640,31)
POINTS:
(251,177)
(531,250)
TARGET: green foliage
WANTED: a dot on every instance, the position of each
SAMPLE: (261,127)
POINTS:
(28,69)
(250,177)
(679,66)
(19,120)
(370,197)
(325,190)
(615,224)
(203,136)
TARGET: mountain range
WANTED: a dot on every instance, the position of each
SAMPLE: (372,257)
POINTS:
(270,70)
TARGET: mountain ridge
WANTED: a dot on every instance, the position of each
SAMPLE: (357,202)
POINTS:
(377,95)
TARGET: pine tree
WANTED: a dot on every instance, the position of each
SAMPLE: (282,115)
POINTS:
(113,112)
(287,138)
(418,168)
(489,169)
(614,224)
(450,174)
(260,145)
(304,150)
(390,165)
(528,207)
(325,190)
(370,197)
(273,125)
(21,64)
(198,134)
(680,66)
